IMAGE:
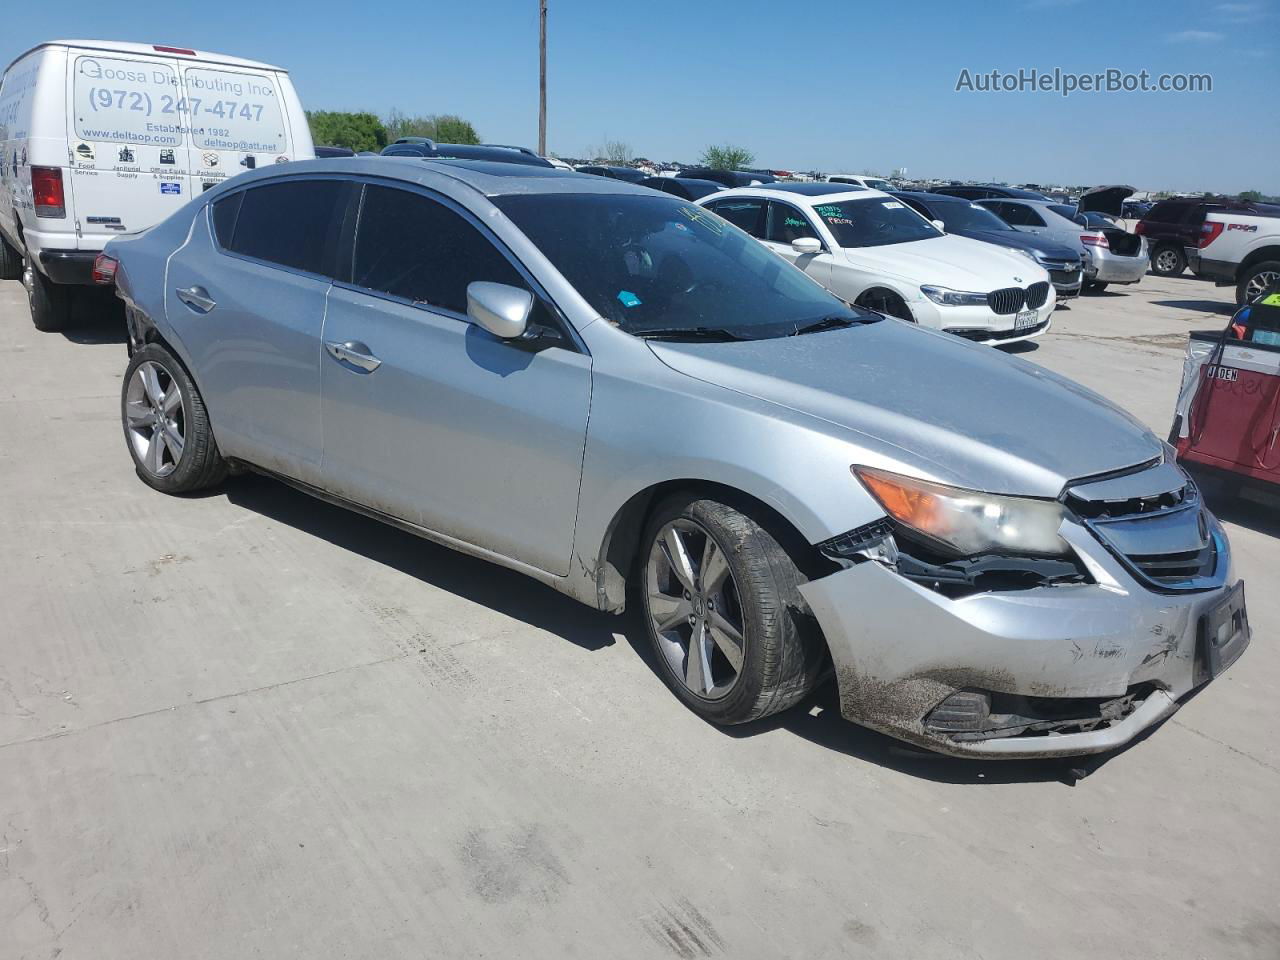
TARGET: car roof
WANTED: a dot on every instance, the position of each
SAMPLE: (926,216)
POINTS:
(817,189)
(151,50)
(771,191)
(926,197)
(491,178)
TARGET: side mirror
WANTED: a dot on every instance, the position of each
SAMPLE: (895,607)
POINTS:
(940,225)
(806,245)
(501,309)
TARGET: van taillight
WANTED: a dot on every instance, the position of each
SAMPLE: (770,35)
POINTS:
(104,269)
(1094,240)
(1209,232)
(46,191)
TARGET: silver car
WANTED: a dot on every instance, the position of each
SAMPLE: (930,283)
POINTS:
(623,396)
(1112,254)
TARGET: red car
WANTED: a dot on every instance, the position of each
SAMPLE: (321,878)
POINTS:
(1228,411)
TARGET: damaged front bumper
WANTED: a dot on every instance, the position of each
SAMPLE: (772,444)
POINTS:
(1047,671)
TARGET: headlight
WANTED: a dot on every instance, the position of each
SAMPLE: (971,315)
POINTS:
(953,298)
(967,522)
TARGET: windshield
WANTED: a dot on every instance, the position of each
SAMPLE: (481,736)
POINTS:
(659,263)
(874,222)
(1063,210)
(875,184)
(969,216)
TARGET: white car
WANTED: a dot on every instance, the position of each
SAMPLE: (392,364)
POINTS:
(872,250)
(866,181)
(100,139)
(1240,248)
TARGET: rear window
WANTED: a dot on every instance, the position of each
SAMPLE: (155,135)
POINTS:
(224,216)
(234,111)
(127,101)
(292,224)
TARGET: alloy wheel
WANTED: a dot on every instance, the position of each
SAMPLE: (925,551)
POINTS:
(695,610)
(155,419)
(1259,282)
(1166,261)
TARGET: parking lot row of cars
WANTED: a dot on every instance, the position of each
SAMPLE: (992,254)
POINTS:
(634,397)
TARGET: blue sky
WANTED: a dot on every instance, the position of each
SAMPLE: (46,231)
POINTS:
(824,84)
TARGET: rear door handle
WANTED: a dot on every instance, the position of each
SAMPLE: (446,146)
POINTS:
(197,298)
(353,352)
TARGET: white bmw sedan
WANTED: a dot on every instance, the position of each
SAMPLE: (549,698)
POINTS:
(874,251)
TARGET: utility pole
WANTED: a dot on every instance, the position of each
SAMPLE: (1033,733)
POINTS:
(542,78)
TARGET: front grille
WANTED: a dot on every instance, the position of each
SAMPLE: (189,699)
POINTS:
(1006,300)
(1065,277)
(1170,568)
(1161,533)
(1037,294)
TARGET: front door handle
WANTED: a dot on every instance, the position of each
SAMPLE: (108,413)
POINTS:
(353,352)
(197,298)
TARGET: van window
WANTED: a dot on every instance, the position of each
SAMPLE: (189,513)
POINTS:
(234,111)
(293,224)
(411,246)
(127,101)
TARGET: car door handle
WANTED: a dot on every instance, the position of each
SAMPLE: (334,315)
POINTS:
(353,352)
(197,298)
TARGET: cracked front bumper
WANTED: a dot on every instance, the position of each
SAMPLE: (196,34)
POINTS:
(899,649)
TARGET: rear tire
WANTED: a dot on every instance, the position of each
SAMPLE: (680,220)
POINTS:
(1256,279)
(748,609)
(10,261)
(50,302)
(166,425)
(1168,261)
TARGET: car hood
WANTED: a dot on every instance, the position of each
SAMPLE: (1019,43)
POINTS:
(949,261)
(1105,199)
(926,402)
(1023,241)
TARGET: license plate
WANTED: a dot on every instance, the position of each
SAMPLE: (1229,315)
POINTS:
(1027,318)
(1222,634)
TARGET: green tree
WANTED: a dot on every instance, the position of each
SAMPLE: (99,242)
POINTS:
(441,127)
(338,128)
(1251,195)
(727,156)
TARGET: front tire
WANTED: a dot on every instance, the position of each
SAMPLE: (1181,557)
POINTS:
(10,261)
(50,302)
(1168,262)
(1256,279)
(166,425)
(886,302)
(731,633)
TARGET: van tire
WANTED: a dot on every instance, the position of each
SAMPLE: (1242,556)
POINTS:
(50,302)
(10,261)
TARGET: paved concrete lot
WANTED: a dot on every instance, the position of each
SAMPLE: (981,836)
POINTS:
(249,724)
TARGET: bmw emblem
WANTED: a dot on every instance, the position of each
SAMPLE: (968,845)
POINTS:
(1017,279)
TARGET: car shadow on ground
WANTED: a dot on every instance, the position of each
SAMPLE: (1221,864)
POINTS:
(1022,346)
(1201,306)
(96,319)
(505,591)
(817,719)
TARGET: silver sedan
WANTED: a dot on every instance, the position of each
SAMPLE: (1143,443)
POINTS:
(623,396)
(1112,255)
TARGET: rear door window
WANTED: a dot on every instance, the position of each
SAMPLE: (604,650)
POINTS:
(786,223)
(293,224)
(236,121)
(411,246)
(745,213)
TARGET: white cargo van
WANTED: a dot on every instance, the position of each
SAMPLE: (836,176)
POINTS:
(99,139)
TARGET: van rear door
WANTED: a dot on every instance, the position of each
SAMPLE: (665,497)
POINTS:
(238,120)
(130,157)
